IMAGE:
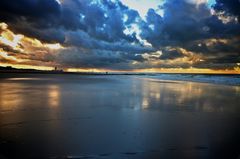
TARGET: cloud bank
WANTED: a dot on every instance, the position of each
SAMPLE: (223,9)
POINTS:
(107,34)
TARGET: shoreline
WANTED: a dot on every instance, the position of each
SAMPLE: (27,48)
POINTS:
(220,79)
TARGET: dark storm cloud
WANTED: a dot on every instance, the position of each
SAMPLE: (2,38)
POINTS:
(97,28)
(81,38)
(184,22)
(34,18)
(47,20)
(76,57)
(94,31)
(29,9)
(102,21)
(229,7)
(100,58)
(226,59)
(215,47)
(186,25)
(170,54)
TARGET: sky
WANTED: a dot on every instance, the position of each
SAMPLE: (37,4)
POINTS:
(200,36)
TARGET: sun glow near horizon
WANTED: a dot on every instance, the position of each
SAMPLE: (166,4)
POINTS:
(149,70)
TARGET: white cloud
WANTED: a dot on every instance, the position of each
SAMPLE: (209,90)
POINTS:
(142,6)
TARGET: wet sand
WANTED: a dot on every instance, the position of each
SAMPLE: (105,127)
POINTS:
(117,117)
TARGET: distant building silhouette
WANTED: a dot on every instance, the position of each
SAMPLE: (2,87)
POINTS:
(58,69)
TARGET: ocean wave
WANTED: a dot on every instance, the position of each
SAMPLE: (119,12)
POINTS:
(217,79)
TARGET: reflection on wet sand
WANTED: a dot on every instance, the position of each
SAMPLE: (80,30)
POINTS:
(11,96)
(22,79)
(16,94)
(145,103)
(53,95)
(188,95)
(117,117)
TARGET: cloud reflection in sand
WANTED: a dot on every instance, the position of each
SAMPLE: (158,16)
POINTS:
(189,96)
(53,95)
(18,94)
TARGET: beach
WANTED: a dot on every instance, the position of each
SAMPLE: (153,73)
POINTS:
(117,116)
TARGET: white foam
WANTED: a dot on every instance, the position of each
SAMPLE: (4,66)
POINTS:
(218,79)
